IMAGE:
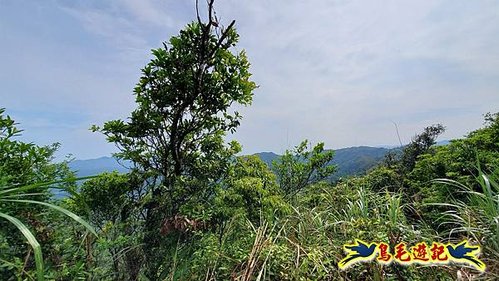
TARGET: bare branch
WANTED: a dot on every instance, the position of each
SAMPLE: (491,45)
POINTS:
(225,33)
(197,12)
(210,11)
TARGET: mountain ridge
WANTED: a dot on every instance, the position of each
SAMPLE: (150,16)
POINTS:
(350,161)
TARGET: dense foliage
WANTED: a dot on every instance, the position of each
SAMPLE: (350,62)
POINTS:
(26,174)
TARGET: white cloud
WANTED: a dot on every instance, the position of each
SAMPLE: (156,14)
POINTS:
(337,71)
(152,12)
(341,71)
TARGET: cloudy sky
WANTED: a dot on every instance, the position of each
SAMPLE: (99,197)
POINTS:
(342,72)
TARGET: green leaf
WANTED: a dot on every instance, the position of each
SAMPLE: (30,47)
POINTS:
(60,209)
(9,189)
(32,241)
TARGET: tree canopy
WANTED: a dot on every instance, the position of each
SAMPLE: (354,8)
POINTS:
(185,106)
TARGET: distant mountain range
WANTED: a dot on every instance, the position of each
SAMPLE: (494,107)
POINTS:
(350,161)
(96,166)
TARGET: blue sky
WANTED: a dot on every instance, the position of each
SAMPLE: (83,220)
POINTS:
(335,71)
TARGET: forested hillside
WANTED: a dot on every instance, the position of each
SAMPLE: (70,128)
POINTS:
(350,161)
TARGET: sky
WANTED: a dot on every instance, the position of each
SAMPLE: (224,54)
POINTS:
(340,72)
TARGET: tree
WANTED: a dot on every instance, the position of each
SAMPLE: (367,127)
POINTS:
(25,163)
(108,200)
(249,188)
(175,136)
(299,168)
(419,145)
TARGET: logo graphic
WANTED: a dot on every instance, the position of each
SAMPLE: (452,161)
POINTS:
(421,253)
(357,252)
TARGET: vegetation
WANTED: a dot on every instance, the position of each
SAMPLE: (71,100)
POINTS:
(191,209)
(23,166)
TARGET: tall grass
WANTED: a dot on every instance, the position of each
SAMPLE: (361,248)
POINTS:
(477,217)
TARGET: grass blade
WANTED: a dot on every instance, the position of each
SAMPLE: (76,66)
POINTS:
(60,209)
(32,241)
(14,188)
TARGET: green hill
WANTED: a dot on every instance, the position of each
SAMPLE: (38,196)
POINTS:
(350,161)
